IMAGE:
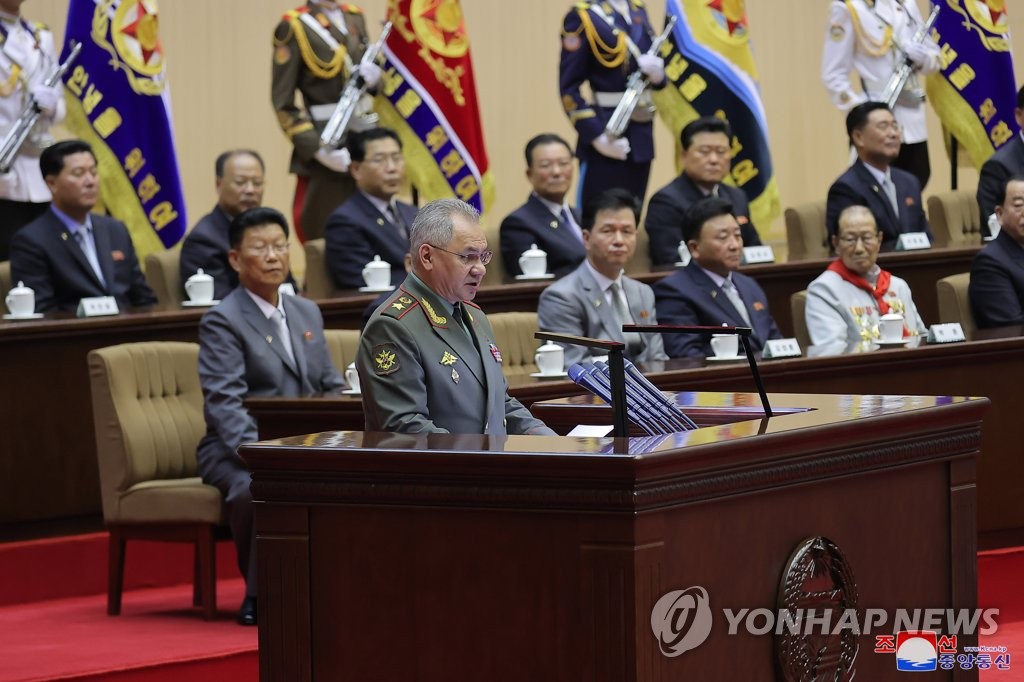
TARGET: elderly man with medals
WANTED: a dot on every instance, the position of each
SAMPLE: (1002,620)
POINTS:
(875,38)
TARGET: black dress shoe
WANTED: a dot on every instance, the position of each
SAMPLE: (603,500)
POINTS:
(247,613)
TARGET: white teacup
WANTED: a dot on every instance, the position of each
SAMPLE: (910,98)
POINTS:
(550,358)
(21,301)
(684,253)
(377,273)
(725,345)
(352,376)
(199,287)
(533,262)
(890,327)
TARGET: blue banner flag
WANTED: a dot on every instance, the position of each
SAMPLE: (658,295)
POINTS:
(711,72)
(974,93)
(117,101)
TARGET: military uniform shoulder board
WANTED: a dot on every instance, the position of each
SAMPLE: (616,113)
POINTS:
(292,13)
(351,9)
(470,303)
(399,305)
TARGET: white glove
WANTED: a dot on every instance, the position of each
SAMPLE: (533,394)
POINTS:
(613,149)
(46,97)
(652,66)
(8,181)
(371,74)
(335,159)
(919,54)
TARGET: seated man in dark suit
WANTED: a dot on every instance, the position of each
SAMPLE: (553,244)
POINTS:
(255,343)
(707,154)
(997,274)
(596,298)
(709,291)
(546,219)
(893,195)
(1006,162)
(68,253)
(372,222)
(239,187)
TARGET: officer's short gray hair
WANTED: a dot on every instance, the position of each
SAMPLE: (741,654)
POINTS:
(435,223)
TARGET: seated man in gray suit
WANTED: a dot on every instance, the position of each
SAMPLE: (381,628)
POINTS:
(255,343)
(596,299)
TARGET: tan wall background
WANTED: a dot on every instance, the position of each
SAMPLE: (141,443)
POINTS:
(218,60)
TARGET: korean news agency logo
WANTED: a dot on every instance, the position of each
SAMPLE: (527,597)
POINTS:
(681,620)
(926,650)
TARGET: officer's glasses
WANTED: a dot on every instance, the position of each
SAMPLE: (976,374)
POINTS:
(483,258)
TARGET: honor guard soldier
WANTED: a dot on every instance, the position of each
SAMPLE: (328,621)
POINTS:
(873,37)
(26,57)
(317,48)
(602,44)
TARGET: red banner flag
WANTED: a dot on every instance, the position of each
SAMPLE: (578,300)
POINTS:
(428,96)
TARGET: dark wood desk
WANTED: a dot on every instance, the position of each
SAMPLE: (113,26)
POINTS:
(541,558)
(48,466)
(991,368)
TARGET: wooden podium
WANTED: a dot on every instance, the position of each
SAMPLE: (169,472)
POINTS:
(413,557)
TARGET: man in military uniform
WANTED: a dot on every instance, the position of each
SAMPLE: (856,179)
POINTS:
(427,360)
(317,48)
(603,42)
(873,37)
(26,56)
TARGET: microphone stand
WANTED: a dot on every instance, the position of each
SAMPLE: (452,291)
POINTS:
(616,368)
(742,332)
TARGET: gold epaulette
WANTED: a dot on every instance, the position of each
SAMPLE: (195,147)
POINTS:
(324,69)
(399,305)
(351,9)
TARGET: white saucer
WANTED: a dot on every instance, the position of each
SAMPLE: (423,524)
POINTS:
(734,358)
(200,304)
(377,290)
(30,316)
(542,375)
(901,342)
(546,275)
(351,391)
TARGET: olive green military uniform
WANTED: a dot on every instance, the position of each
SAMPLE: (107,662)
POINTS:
(314,56)
(420,370)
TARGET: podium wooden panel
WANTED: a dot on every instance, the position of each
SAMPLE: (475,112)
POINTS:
(414,557)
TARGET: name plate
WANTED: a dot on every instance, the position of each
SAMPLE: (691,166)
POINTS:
(950,332)
(758,254)
(781,348)
(913,241)
(97,306)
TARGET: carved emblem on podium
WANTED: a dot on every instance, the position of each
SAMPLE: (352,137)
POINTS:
(817,581)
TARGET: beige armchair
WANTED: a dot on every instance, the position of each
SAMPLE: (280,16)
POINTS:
(797,304)
(955,218)
(318,284)
(806,234)
(148,415)
(513,333)
(342,344)
(5,277)
(954,303)
(163,275)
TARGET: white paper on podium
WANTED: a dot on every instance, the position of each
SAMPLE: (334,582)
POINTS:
(592,430)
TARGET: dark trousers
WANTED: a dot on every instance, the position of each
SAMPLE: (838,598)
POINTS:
(13,216)
(320,193)
(913,158)
(233,480)
(599,173)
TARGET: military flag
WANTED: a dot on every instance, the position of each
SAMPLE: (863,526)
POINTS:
(711,72)
(428,96)
(975,92)
(118,102)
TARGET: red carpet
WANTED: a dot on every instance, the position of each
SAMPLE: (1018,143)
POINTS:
(158,636)
(1000,574)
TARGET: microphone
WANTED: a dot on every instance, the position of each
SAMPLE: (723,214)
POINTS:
(583,376)
(645,405)
(637,377)
(634,409)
